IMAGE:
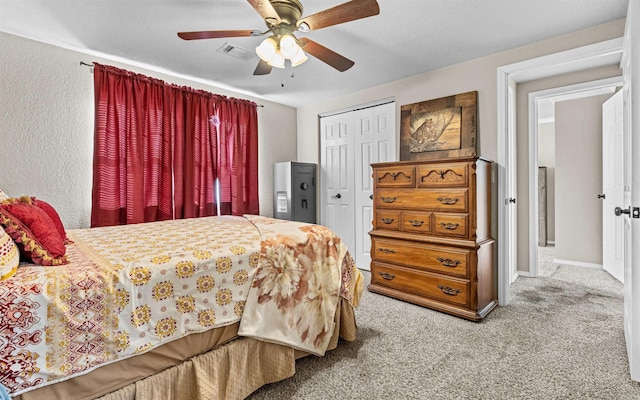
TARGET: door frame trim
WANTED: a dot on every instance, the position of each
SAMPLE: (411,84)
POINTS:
(598,54)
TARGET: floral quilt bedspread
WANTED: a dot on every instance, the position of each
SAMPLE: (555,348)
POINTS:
(128,289)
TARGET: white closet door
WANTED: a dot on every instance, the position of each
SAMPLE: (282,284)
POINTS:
(375,142)
(337,177)
(350,142)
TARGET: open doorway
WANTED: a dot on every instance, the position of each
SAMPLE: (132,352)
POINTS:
(556,184)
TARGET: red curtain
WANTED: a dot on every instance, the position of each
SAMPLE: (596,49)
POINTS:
(238,157)
(131,174)
(199,166)
(157,154)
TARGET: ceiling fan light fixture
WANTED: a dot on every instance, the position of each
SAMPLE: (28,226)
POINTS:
(267,49)
(299,57)
(304,27)
(288,46)
(274,51)
(276,61)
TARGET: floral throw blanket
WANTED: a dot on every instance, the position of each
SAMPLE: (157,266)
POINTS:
(302,271)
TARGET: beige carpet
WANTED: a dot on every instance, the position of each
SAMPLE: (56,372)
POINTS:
(560,338)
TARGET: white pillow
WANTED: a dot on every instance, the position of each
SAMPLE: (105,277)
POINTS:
(3,195)
(9,256)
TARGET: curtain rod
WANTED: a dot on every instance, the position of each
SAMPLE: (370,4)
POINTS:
(91,65)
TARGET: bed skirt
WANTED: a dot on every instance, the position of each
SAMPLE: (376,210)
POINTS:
(217,365)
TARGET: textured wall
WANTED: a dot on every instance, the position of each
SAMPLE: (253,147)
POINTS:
(46,127)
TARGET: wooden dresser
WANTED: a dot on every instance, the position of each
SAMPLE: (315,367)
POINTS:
(431,241)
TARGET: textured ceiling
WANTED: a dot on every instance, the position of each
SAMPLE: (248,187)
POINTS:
(407,37)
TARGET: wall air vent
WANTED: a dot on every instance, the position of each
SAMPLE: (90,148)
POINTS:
(235,51)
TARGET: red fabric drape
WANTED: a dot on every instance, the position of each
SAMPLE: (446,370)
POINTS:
(132,177)
(200,172)
(238,157)
(160,148)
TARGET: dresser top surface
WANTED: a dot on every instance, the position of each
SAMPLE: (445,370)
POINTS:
(430,161)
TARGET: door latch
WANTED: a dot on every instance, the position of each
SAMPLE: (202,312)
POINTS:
(636,212)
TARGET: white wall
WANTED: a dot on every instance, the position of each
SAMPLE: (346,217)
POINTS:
(547,158)
(480,75)
(579,179)
(46,127)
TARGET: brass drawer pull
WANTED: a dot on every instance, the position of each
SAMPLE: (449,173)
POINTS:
(416,222)
(394,175)
(389,199)
(447,262)
(443,173)
(386,275)
(387,251)
(448,200)
(449,226)
(387,220)
(449,290)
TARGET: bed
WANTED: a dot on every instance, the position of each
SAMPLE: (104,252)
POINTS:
(209,307)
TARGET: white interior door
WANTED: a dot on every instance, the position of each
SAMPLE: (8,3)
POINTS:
(631,165)
(631,221)
(337,177)
(613,185)
(374,142)
(350,141)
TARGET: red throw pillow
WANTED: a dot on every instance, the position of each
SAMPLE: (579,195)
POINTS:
(33,231)
(53,214)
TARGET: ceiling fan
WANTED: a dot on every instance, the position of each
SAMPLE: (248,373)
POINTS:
(283,19)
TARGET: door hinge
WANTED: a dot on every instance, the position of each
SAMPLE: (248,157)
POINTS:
(635,213)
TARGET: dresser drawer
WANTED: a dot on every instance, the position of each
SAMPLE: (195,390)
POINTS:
(387,220)
(400,176)
(450,290)
(418,222)
(447,260)
(453,225)
(451,200)
(443,175)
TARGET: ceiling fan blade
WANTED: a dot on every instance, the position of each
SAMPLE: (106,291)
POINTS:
(322,53)
(266,10)
(262,68)
(345,12)
(216,34)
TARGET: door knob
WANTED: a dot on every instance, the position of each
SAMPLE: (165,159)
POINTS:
(336,196)
(512,200)
(619,211)
(371,196)
(602,196)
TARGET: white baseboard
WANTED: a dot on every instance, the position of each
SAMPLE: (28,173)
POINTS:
(577,263)
(515,276)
